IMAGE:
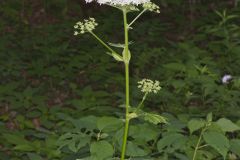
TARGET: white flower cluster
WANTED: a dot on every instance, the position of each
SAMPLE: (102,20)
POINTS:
(149,86)
(119,2)
(87,26)
(151,7)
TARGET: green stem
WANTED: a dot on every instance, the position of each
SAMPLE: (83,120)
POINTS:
(198,143)
(136,17)
(124,143)
(103,43)
(141,103)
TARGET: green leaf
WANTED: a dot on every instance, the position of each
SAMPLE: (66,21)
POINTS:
(101,150)
(108,124)
(117,45)
(227,126)
(195,124)
(218,141)
(74,141)
(34,156)
(235,146)
(117,57)
(209,117)
(134,150)
(171,142)
(24,147)
(154,118)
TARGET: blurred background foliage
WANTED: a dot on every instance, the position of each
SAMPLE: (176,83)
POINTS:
(49,77)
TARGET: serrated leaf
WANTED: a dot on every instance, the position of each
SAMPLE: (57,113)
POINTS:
(108,124)
(134,150)
(101,150)
(154,118)
(218,141)
(74,141)
(171,142)
(195,124)
(227,126)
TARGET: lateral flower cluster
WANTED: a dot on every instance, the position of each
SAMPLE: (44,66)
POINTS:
(87,25)
(119,2)
(149,86)
(151,7)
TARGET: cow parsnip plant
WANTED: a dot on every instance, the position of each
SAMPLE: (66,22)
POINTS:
(147,86)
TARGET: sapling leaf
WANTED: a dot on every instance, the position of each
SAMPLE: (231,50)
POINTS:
(218,141)
(101,150)
(227,126)
(195,124)
(108,124)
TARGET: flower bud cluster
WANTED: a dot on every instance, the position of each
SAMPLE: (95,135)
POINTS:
(87,25)
(149,86)
(151,7)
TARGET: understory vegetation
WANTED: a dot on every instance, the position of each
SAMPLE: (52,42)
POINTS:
(63,98)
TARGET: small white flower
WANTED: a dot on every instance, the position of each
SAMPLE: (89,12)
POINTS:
(119,2)
(226,79)
(149,86)
(151,7)
(87,25)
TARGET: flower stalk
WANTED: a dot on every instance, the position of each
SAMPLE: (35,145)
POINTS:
(124,143)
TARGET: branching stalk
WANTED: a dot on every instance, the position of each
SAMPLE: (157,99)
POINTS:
(141,103)
(198,144)
(137,17)
(103,43)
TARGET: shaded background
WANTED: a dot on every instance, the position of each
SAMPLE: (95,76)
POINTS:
(47,74)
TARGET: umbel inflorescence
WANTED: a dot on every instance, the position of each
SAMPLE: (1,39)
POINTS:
(149,86)
(86,26)
(119,2)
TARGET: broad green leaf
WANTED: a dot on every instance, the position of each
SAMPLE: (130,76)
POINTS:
(24,147)
(218,141)
(138,132)
(195,124)
(154,118)
(227,126)
(134,150)
(171,142)
(108,124)
(34,156)
(235,146)
(74,141)
(15,138)
(101,150)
